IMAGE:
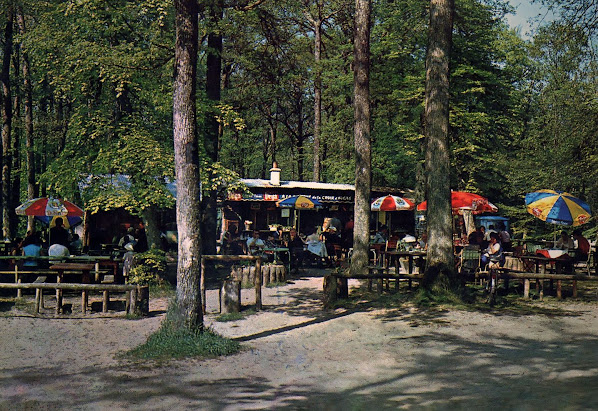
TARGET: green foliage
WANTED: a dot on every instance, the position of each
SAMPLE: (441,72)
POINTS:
(149,268)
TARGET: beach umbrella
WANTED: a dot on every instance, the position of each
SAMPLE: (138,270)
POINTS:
(465,201)
(392,203)
(557,207)
(47,209)
(300,203)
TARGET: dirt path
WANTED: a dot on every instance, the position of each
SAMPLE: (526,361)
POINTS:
(298,356)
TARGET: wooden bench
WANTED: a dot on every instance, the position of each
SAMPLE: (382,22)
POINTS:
(137,297)
(508,274)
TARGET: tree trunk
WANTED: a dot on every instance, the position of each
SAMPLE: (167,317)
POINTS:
(186,153)
(317,100)
(439,217)
(363,152)
(212,127)
(15,183)
(152,227)
(6,122)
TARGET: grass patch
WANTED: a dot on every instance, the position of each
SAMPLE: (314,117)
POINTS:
(173,342)
(276,284)
(235,316)
(162,290)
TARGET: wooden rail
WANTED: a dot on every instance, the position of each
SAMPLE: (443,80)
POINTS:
(137,297)
(218,257)
(527,276)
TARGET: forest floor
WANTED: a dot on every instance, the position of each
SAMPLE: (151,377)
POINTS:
(296,355)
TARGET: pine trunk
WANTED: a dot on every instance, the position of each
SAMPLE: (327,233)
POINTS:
(187,164)
(6,123)
(439,217)
(361,233)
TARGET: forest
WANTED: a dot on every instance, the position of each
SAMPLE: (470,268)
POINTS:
(87,95)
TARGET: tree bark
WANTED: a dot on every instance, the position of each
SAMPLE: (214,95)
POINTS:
(6,122)
(212,127)
(363,152)
(317,100)
(28,103)
(152,229)
(186,153)
(439,217)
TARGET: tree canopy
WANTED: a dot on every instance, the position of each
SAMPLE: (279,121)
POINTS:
(523,112)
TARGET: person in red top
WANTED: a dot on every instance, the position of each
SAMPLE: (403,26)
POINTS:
(583,246)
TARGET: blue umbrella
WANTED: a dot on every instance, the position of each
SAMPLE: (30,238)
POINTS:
(557,207)
(300,203)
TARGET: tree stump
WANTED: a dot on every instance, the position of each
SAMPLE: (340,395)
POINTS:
(139,301)
(230,296)
(330,295)
(266,275)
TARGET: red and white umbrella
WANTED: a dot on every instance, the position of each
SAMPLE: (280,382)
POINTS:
(392,203)
(462,200)
(46,209)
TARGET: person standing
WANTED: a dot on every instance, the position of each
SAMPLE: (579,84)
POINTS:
(505,238)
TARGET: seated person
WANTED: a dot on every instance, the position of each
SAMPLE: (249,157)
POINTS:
(331,238)
(296,248)
(476,237)
(381,235)
(255,244)
(493,256)
(58,250)
(422,243)
(315,246)
(76,244)
(583,246)
(32,246)
(564,242)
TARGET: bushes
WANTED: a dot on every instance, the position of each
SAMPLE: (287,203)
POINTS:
(149,268)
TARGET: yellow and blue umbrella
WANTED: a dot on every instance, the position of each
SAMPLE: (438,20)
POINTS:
(557,207)
(300,203)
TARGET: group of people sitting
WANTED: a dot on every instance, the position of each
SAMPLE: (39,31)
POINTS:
(57,243)
(318,248)
(576,246)
(383,236)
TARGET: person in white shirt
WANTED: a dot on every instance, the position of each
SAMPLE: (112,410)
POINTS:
(565,242)
(255,244)
(490,231)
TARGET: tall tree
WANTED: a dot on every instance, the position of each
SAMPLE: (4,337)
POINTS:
(363,151)
(188,296)
(7,122)
(439,218)
(211,135)
(28,103)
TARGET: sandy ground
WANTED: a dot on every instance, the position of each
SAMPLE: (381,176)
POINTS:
(298,356)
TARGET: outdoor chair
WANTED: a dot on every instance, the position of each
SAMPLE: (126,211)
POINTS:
(585,264)
(532,248)
(469,260)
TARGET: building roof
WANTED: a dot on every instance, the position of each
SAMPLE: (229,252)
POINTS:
(261,183)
